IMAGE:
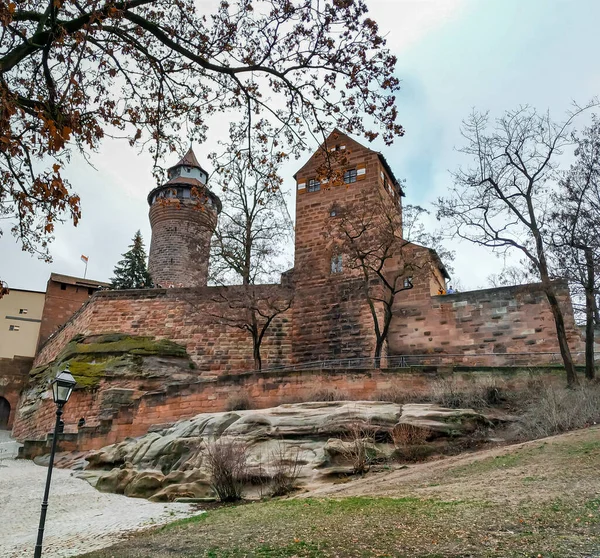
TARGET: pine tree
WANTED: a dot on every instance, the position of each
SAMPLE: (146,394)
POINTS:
(131,272)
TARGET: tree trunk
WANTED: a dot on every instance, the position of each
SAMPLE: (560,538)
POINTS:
(257,359)
(561,334)
(590,370)
(378,350)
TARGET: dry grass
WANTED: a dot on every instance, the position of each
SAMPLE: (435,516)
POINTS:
(286,469)
(238,402)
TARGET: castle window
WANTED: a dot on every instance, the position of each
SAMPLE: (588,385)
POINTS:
(22,310)
(90,291)
(314,185)
(408,282)
(13,328)
(350,176)
(336,264)
(63,287)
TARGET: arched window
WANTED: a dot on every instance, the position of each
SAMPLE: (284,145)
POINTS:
(4,413)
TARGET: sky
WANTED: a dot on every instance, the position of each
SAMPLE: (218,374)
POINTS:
(453,56)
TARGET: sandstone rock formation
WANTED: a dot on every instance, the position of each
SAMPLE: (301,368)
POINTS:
(319,438)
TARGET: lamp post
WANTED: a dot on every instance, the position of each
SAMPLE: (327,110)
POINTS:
(62,386)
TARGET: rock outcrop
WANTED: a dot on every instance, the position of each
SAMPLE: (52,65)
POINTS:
(319,439)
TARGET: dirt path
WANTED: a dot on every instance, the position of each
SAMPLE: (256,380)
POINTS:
(79,518)
(530,471)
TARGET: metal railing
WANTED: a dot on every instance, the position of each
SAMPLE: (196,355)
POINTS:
(436,359)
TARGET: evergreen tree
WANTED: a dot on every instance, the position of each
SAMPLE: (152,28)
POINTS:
(131,272)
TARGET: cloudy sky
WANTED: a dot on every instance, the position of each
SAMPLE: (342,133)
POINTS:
(453,55)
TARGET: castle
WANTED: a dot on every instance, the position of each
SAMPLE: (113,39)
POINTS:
(321,335)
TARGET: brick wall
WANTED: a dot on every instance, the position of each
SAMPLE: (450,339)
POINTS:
(14,373)
(190,317)
(135,414)
(62,301)
(180,246)
(502,321)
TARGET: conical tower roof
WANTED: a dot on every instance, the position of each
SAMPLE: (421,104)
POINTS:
(188,160)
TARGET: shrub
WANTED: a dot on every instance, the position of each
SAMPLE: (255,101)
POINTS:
(328,394)
(360,448)
(410,442)
(238,402)
(228,468)
(448,392)
(556,410)
(287,466)
(399,395)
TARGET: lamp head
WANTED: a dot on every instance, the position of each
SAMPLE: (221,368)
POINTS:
(62,386)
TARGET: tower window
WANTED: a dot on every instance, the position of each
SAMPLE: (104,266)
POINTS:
(314,185)
(408,282)
(22,310)
(63,287)
(336,264)
(90,291)
(13,328)
(350,176)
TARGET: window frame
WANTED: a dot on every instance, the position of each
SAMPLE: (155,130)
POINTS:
(337,264)
(350,176)
(313,185)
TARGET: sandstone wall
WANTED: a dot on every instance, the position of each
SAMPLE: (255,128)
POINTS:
(502,326)
(116,411)
(13,378)
(190,317)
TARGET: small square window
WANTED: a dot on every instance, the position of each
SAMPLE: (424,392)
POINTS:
(91,291)
(350,176)
(13,328)
(336,264)
(63,287)
(22,310)
(314,185)
(408,282)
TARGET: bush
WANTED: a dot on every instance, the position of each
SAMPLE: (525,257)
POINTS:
(448,392)
(228,468)
(327,394)
(399,395)
(238,402)
(556,410)
(360,447)
(410,442)
(286,469)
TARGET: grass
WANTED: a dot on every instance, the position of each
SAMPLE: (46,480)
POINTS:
(432,521)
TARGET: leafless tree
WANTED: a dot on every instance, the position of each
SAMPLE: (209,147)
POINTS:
(575,245)
(376,242)
(503,201)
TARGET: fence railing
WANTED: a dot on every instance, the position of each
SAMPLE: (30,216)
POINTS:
(440,359)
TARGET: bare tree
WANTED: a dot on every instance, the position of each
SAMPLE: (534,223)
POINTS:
(503,201)
(377,244)
(576,229)
(73,72)
(252,308)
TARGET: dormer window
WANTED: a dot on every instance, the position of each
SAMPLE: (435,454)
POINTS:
(350,176)
(314,185)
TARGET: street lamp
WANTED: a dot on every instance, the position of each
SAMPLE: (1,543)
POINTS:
(62,386)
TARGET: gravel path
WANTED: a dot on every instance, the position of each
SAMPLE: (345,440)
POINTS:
(80,518)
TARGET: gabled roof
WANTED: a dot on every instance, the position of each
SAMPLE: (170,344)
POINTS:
(382,159)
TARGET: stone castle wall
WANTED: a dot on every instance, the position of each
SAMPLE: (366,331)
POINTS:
(198,319)
(14,374)
(502,326)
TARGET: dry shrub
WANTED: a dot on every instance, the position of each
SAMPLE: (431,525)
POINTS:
(399,395)
(360,447)
(286,469)
(327,394)
(410,442)
(555,410)
(238,402)
(404,434)
(448,392)
(228,468)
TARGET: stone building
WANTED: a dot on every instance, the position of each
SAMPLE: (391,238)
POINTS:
(131,380)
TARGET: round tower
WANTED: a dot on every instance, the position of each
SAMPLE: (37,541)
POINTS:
(183,217)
